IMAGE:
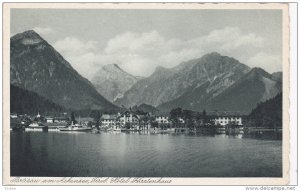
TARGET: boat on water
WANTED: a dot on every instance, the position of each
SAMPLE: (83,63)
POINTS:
(75,127)
(35,126)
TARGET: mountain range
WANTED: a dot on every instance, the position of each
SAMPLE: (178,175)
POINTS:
(163,85)
(36,66)
(254,87)
(211,82)
(112,82)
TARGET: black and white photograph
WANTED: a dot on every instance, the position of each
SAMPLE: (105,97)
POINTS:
(147,93)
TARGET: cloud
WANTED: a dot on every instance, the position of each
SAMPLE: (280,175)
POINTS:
(134,42)
(82,55)
(229,39)
(72,45)
(43,30)
(270,63)
(140,53)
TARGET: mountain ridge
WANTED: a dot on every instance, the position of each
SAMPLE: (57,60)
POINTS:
(36,66)
(167,84)
(213,81)
(255,86)
(112,81)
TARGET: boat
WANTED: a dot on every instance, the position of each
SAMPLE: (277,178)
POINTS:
(35,126)
(75,127)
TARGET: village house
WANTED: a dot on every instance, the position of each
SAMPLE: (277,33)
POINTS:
(225,118)
(109,121)
(52,123)
(119,121)
(85,120)
(130,118)
(50,119)
(181,120)
(61,119)
(13,115)
(162,119)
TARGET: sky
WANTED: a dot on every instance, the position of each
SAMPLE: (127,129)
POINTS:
(140,40)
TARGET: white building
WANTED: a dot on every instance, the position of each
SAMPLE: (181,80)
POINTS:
(61,119)
(129,117)
(162,119)
(224,120)
(13,115)
(181,120)
(108,121)
(50,119)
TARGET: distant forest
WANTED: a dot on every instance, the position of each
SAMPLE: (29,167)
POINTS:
(267,114)
(27,102)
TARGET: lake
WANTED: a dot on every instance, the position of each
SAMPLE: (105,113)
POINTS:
(59,154)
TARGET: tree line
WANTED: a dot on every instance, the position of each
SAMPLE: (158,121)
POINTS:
(27,102)
(267,113)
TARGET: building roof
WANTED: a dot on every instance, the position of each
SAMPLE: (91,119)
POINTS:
(127,113)
(108,116)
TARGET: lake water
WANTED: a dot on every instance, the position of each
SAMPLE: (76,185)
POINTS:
(142,155)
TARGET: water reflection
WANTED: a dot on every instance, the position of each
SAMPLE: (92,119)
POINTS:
(264,135)
(142,154)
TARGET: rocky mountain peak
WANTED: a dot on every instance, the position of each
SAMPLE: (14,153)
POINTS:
(259,72)
(216,58)
(36,66)
(211,55)
(211,58)
(214,63)
(27,38)
(213,71)
(277,75)
(112,81)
